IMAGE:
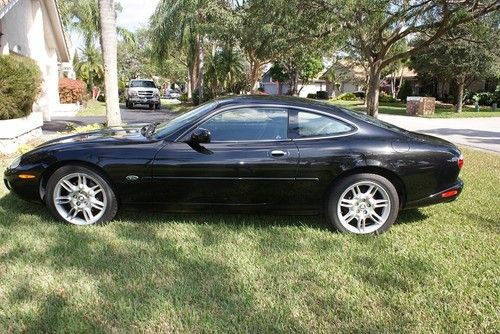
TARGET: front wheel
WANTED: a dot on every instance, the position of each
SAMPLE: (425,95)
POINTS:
(363,204)
(80,196)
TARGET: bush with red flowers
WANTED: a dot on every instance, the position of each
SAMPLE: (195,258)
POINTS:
(71,91)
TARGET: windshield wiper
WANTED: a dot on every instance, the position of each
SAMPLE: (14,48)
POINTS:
(148,130)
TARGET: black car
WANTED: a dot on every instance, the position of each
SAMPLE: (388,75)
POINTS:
(245,153)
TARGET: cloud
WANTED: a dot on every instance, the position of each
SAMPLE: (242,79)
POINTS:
(136,13)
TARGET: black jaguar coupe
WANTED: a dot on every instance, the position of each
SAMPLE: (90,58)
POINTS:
(245,153)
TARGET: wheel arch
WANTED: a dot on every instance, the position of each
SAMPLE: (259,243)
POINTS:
(55,166)
(396,181)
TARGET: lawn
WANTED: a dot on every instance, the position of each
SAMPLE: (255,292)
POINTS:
(176,106)
(437,270)
(399,108)
(93,108)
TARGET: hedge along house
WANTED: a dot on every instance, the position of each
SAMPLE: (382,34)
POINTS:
(33,28)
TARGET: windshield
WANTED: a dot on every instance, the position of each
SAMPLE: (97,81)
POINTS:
(142,83)
(167,128)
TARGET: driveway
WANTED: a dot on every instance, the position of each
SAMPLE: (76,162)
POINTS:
(482,133)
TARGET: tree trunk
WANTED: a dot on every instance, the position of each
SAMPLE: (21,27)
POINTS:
(460,92)
(109,55)
(372,93)
(254,74)
(189,91)
(201,67)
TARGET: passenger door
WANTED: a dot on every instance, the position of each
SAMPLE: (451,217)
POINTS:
(249,161)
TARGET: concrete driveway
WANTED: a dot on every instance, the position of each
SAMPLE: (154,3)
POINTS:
(481,133)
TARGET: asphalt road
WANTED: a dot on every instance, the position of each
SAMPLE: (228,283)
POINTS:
(130,116)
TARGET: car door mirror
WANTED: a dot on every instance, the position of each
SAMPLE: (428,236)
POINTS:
(201,136)
(126,85)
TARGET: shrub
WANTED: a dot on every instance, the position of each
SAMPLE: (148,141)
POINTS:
(101,98)
(347,97)
(386,98)
(183,97)
(20,83)
(485,98)
(322,95)
(312,96)
(405,91)
(71,91)
(360,94)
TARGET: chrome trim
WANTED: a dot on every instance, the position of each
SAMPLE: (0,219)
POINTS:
(267,105)
(232,178)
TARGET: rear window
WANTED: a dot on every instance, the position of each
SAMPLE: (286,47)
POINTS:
(142,83)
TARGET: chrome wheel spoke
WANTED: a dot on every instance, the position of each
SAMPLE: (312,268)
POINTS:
(63,200)
(88,215)
(361,224)
(99,205)
(376,218)
(68,186)
(381,203)
(347,203)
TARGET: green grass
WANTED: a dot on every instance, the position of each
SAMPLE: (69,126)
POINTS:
(93,108)
(399,108)
(177,107)
(437,270)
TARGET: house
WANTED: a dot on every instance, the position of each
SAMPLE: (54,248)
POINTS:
(33,28)
(337,77)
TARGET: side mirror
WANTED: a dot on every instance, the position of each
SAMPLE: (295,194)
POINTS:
(126,85)
(201,136)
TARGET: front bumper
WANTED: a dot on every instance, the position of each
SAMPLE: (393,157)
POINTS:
(447,195)
(144,99)
(26,189)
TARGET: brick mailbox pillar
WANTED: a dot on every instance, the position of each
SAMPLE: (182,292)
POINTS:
(419,105)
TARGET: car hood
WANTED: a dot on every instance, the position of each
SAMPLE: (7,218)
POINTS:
(124,134)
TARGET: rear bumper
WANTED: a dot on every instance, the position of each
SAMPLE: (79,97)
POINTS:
(447,195)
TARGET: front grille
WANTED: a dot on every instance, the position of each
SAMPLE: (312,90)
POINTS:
(145,93)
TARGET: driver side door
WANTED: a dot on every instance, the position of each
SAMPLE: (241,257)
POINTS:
(249,161)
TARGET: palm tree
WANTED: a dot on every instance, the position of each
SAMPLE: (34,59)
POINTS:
(109,53)
(181,24)
(89,68)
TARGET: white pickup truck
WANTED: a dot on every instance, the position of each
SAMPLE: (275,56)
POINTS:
(142,91)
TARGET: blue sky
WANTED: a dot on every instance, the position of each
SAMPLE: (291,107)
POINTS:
(135,13)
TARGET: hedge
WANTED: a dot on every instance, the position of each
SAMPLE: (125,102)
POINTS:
(20,84)
(71,91)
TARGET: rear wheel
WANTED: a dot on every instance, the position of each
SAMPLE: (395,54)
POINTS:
(363,204)
(80,196)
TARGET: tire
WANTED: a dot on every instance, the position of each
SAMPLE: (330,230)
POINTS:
(151,106)
(94,203)
(158,106)
(378,210)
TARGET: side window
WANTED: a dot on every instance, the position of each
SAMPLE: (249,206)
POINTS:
(248,124)
(315,125)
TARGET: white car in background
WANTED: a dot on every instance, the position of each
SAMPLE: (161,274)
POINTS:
(142,91)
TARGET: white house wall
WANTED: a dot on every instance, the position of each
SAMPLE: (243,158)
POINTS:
(28,31)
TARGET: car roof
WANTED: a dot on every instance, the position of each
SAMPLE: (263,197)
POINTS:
(278,100)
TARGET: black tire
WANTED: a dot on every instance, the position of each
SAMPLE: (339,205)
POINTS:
(340,187)
(109,210)
(130,105)
(158,106)
(151,106)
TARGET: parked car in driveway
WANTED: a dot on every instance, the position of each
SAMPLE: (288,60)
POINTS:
(142,92)
(245,153)
(172,94)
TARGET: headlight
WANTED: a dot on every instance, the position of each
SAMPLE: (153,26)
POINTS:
(132,93)
(15,163)
(156,94)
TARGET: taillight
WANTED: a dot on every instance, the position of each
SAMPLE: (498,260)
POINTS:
(460,162)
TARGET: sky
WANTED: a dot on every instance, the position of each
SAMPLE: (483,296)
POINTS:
(135,14)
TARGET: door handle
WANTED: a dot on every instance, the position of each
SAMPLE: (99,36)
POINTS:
(278,153)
